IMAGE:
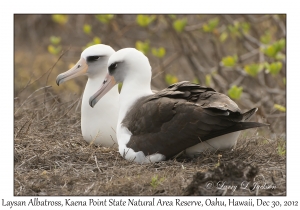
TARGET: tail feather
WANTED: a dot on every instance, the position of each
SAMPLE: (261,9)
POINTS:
(237,127)
(247,115)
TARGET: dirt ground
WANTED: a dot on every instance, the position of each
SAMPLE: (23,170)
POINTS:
(51,158)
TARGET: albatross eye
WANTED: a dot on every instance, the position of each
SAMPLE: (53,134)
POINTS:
(112,67)
(93,58)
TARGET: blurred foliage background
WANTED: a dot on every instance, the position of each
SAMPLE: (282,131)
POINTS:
(243,56)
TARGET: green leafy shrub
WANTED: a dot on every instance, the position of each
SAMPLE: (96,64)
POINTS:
(229,61)
(145,20)
(273,68)
(211,25)
(170,79)
(104,18)
(253,69)
(280,56)
(179,24)
(159,52)
(273,49)
(245,26)
(54,50)
(234,29)
(55,40)
(280,107)
(235,92)
(144,47)
(60,19)
(266,38)
(87,29)
(223,36)
(207,79)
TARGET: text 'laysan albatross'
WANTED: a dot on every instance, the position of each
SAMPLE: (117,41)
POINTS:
(98,124)
(156,126)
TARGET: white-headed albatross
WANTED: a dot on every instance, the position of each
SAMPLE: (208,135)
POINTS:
(156,126)
(98,124)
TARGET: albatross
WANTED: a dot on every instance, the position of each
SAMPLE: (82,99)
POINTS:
(156,126)
(98,124)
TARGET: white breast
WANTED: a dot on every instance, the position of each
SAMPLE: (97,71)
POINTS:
(98,124)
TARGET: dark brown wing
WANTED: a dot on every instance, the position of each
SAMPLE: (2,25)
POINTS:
(170,120)
(204,96)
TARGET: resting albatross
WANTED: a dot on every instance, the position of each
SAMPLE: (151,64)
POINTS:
(156,126)
(98,124)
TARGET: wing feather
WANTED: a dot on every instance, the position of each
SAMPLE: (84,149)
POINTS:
(172,120)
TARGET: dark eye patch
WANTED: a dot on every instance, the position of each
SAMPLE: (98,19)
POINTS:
(112,67)
(93,58)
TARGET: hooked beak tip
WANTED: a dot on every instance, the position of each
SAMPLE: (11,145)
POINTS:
(58,81)
(92,102)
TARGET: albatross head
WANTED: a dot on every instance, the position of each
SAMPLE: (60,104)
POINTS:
(127,65)
(93,61)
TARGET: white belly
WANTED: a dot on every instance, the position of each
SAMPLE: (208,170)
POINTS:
(224,142)
(99,125)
